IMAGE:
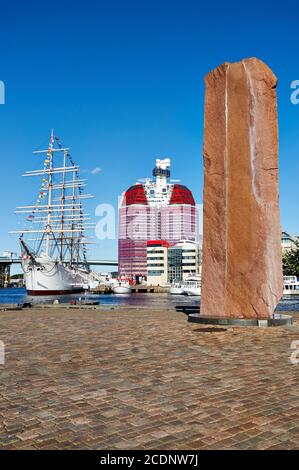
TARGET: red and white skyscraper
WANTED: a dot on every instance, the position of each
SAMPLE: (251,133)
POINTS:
(156,209)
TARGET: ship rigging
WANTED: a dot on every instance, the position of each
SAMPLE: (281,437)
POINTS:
(54,261)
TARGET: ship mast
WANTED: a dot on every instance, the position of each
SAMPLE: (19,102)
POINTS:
(63,207)
(50,185)
(61,220)
(73,217)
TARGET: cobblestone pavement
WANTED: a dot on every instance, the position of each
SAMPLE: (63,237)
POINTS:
(142,379)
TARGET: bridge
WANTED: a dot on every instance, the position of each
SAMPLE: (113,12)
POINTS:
(102,262)
(6,260)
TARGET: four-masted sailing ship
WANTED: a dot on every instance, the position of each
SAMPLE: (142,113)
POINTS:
(54,261)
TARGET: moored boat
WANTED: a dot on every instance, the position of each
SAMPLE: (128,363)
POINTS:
(290,285)
(121,286)
(176,288)
(192,285)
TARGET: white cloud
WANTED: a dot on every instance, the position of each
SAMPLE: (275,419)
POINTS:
(96,171)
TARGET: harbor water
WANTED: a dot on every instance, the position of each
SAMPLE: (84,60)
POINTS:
(145,300)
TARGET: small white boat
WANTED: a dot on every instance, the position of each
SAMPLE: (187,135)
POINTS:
(290,285)
(121,286)
(192,285)
(176,289)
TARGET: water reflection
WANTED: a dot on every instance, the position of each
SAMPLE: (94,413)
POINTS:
(19,296)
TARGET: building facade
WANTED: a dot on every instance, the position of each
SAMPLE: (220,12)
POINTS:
(167,264)
(157,262)
(288,242)
(156,209)
(184,259)
(5,267)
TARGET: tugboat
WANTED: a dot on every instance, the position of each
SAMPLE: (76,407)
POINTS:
(54,262)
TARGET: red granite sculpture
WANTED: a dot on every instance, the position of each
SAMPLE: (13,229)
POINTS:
(242,268)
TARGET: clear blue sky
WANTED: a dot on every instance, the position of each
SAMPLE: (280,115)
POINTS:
(122,83)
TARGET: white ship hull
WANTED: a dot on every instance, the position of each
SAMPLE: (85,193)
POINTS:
(121,290)
(121,287)
(175,290)
(192,285)
(48,277)
(192,291)
(290,285)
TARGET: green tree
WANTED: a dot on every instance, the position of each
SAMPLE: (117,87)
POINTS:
(17,276)
(290,261)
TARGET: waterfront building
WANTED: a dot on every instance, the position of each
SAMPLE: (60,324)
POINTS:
(167,264)
(5,265)
(288,241)
(157,262)
(184,260)
(154,209)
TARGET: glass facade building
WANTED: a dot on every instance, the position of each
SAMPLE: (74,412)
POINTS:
(156,209)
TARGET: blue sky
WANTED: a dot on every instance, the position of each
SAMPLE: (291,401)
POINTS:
(122,83)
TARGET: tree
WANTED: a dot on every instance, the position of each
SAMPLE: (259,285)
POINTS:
(17,276)
(290,261)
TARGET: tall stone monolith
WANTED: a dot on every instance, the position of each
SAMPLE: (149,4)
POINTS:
(242,269)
